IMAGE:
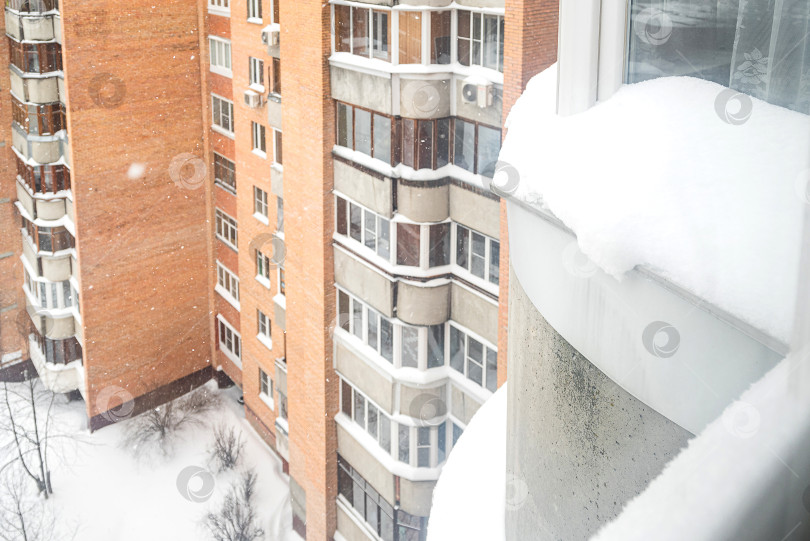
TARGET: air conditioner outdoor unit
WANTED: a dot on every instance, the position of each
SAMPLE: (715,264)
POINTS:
(253,99)
(477,91)
(270,35)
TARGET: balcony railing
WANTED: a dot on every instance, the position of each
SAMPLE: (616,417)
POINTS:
(32,6)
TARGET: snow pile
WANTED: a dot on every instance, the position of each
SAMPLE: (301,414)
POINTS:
(674,175)
(745,476)
(469,498)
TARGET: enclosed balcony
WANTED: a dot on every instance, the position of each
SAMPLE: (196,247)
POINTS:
(38,119)
(42,149)
(32,6)
(35,89)
(35,58)
(30,28)
(43,179)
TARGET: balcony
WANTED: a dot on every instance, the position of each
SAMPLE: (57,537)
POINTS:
(35,89)
(32,6)
(36,58)
(64,375)
(38,119)
(46,149)
(28,28)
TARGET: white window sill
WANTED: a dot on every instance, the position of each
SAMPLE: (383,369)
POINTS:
(221,71)
(260,153)
(267,401)
(254,20)
(283,425)
(262,218)
(233,358)
(213,10)
(263,281)
(223,131)
(228,297)
(265,340)
(277,167)
(281,301)
(256,87)
(280,234)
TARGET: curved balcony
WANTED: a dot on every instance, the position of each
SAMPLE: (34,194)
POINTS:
(38,149)
(35,58)
(38,119)
(35,89)
(48,239)
(32,6)
(58,363)
(30,28)
(43,179)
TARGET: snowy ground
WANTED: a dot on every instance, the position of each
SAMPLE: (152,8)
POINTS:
(103,493)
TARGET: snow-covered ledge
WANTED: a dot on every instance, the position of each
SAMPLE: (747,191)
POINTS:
(59,378)
(659,234)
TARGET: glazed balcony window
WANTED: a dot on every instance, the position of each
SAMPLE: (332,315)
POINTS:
(44,178)
(364,131)
(364,32)
(411,39)
(759,47)
(38,119)
(480,40)
(426,143)
(58,351)
(36,57)
(225,173)
(32,6)
(475,147)
(478,254)
(49,239)
(52,295)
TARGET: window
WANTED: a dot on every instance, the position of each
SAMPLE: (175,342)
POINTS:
(410,37)
(364,131)
(277,147)
(219,5)
(265,386)
(480,159)
(262,268)
(480,40)
(425,143)
(365,227)
(282,405)
(276,11)
(222,111)
(366,502)
(474,359)
(254,10)
(362,31)
(259,202)
(356,406)
(220,55)
(282,283)
(226,229)
(279,215)
(440,37)
(264,324)
(259,145)
(229,340)
(227,283)
(275,75)
(225,173)
(478,254)
(38,119)
(408,247)
(256,72)
(380,331)
(439,249)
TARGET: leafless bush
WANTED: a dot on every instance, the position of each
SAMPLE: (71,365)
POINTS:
(22,514)
(157,429)
(237,520)
(227,449)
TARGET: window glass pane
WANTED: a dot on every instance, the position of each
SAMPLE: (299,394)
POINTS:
(475,352)
(442,142)
(386,526)
(343,29)
(357,319)
(404,444)
(477,257)
(439,250)
(457,430)
(344,483)
(410,346)
(435,348)
(371,511)
(489,146)
(383,240)
(425,147)
(442,437)
(362,131)
(344,314)
(344,125)
(360,409)
(341,216)
(492,370)
(440,36)
(475,57)
(464,145)
(372,325)
(464,37)
(385,433)
(355,222)
(456,349)
(423,451)
(408,244)
(359,496)
(410,37)
(494,261)
(360,34)
(408,143)
(386,339)
(491,41)
(462,246)
(346,398)
(372,420)
(381,35)
(382,138)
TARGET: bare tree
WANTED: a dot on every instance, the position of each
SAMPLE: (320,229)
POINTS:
(158,428)
(237,520)
(29,407)
(23,516)
(227,449)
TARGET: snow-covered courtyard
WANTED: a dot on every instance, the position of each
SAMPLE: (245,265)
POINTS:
(104,491)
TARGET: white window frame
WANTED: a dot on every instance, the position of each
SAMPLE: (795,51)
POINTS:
(230,334)
(216,122)
(266,389)
(220,7)
(276,164)
(225,224)
(487,346)
(258,139)
(256,73)
(280,217)
(361,244)
(262,269)
(264,329)
(220,56)
(254,11)
(465,270)
(260,207)
(281,278)
(227,285)
(218,182)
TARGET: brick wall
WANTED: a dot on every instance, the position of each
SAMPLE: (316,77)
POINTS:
(530,46)
(134,92)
